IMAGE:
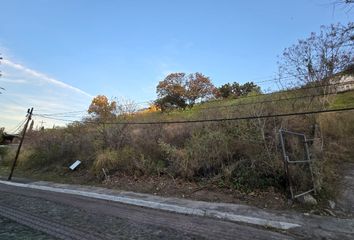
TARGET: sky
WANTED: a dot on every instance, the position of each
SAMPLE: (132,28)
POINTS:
(58,55)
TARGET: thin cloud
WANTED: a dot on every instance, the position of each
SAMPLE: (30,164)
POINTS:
(16,81)
(44,77)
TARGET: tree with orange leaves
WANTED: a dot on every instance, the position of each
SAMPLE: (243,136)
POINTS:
(102,109)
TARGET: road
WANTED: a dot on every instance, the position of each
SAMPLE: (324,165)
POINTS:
(346,196)
(65,216)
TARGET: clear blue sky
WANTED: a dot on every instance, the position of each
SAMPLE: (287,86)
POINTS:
(61,52)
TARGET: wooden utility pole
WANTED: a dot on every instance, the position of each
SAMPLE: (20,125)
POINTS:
(29,117)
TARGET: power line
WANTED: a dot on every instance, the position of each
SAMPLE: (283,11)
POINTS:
(64,113)
(54,118)
(296,89)
(216,119)
(15,129)
(267,101)
(281,99)
(151,101)
(240,98)
(13,101)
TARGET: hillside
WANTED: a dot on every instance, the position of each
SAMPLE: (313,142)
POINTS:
(143,152)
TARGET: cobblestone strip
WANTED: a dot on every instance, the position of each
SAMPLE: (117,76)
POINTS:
(52,228)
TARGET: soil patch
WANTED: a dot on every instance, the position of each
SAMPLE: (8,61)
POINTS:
(203,191)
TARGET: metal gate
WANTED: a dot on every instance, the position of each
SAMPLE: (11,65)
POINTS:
(297,162)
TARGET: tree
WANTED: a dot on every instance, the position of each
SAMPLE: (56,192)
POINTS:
(236,90)
(170,102)
(172,92)
(250,87)
(102,109)
(198,87)
(125,106)
(320,56)
(346,4)
(173,85)
(178,90)
(225,90)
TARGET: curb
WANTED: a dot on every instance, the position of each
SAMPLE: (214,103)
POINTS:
(165,206)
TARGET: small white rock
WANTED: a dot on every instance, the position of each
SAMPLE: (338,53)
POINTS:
(308,199)
(332,204)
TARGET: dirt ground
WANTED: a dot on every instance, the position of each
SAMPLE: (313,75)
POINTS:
(345,200)
(203,191)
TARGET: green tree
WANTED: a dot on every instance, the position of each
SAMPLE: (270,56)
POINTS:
(236,90)
(170,102)
(250,87)
(225,91)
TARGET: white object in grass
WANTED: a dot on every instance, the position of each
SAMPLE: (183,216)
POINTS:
(75,164)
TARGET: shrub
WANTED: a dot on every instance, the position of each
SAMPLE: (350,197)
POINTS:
(125,160)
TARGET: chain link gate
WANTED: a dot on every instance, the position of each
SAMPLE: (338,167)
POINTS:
(297,162)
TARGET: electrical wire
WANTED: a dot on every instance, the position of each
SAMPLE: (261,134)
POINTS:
(151,101)
(241,98)
(18,127)
(216,119)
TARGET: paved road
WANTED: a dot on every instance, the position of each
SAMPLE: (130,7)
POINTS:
(65,216)
(12,230)
(346,198)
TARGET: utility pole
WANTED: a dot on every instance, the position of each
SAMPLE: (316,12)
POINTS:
(29,117)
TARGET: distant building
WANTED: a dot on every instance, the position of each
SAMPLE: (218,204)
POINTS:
(344,81)
(8,138)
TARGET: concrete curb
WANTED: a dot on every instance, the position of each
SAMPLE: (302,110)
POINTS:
(164,206)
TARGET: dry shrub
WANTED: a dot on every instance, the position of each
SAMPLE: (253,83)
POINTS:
(212,153)
(332,150)
(124,160)
(207,151)
(178,163)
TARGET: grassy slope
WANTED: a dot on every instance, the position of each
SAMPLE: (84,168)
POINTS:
(343,100)
(297,100)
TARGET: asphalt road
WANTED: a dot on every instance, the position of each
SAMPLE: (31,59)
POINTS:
(65,216)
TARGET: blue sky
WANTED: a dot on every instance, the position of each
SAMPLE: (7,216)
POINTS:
(58,54)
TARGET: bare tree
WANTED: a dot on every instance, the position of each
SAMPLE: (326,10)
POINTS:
(126,106)
(320,56)
(343,4)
